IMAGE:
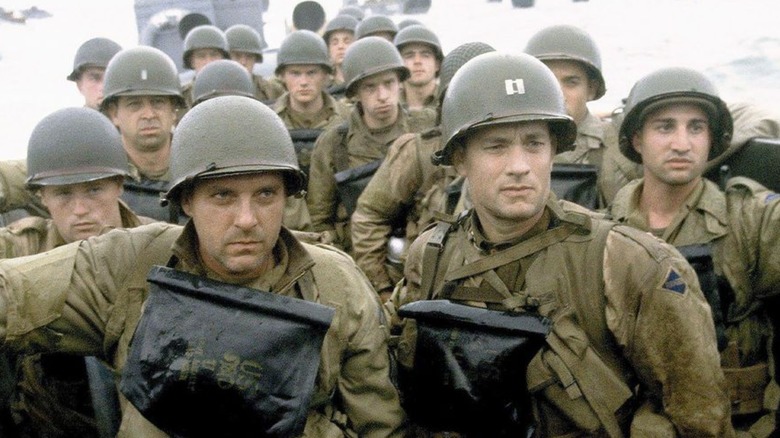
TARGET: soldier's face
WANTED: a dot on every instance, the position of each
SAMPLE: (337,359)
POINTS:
(246,59)
(338,42)
(90,85)
(145,122)
(674,143)
(200,58)
(85,209)
(378,95)
(577,88)
(304,82)
(421,61)
(237,219)
(508,169)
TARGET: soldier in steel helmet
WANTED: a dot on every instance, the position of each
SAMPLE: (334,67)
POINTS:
(76,167)
(422,55)
(245,46)
(88,297)
(575,59)
(406,194)
(89,66)
(338,35)
(674,124)
(373,71)
(303,66)
(202,45)
(142,97)
(522,315)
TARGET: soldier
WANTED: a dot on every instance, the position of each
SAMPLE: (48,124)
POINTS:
(574,58)
(142,96)
(76,166)
(88,297)
(674,125)
(422,55)
(405,194)
(373,71)
(565,337)
(89,66)
(245,46)
(203,44)
(303,66)
(229,78)
(378,26)
(339,34)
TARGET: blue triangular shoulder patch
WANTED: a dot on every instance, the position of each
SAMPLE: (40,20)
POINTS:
(674,282)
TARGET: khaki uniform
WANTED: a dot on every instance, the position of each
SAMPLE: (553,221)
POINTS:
(336,151)
(405,191)
(87,298)
(597,144)
(267,90)
(52,396)
(634,343)
(743,227)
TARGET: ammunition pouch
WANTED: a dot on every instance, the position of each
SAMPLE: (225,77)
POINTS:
(469,368)
(574,389)
(212,359)
(303,141)
(143,198)
(350,183)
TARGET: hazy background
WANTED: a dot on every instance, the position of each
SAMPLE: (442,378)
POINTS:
(734,42)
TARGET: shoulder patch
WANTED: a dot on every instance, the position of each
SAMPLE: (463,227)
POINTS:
(771,197)
(674,283)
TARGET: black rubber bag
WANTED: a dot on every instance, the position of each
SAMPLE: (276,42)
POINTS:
(469,369)
(212,359)
(577,183)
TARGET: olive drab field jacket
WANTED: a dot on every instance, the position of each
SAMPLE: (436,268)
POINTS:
(87,297)
(406,191)
(742,227)
(632,349)
(339,149)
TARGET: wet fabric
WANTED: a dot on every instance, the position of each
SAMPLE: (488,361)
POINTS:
(576,183)
(212,359)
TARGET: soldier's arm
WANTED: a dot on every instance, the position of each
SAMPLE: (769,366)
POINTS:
(369,398)
(382,203)
(321,194)
(13,193)
(660,318)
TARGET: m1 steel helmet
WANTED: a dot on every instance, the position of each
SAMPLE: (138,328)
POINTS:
(345,23)
(369,56)
(204,37)
(670,86)
(232,135)
(244,38)
(222,78)
(303,47)
(141,71)
(496,88)
(419,34)
(376,24)
(569,43)
(95,52)
(74,145)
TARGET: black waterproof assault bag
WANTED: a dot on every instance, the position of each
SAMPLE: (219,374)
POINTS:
(577,183)
(469,369)
(212,359)
(350,183)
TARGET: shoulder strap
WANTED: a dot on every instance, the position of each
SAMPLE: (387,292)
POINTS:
(432,256)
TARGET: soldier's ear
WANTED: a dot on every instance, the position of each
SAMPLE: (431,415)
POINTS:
(636,143)
(458,159)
